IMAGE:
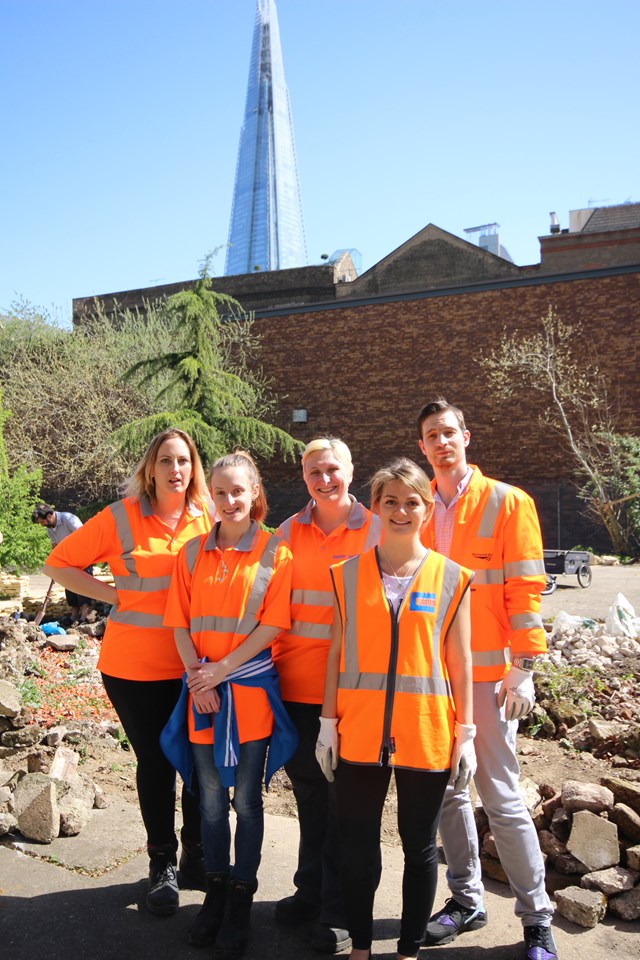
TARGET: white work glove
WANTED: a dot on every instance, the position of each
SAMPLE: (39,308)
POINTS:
(463,756)
(327,751)
(519,693)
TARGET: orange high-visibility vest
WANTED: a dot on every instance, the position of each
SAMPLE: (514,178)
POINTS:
(497,534)
(301,653)
(220,597)
(394,699)
(141,552)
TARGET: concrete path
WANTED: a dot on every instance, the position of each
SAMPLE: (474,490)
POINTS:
(594,601)
(50,911)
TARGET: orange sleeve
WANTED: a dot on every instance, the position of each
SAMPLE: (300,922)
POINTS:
(276,606)
(177,612)
(95,542)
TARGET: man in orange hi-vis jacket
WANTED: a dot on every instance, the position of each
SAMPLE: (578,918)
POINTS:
(492,528)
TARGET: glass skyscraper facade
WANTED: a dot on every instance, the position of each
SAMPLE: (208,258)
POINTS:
(267,231)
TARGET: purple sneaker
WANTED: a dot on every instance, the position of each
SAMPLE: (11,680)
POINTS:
(539,944)
(453,920)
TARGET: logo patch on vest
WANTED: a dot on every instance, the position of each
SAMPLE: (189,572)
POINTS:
(422,602)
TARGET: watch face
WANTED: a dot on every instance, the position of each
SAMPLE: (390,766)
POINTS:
(525,663)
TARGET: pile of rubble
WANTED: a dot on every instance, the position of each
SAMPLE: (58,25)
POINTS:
(590,838)
(43,795)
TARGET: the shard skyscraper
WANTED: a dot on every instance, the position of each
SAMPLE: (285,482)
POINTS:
(266,232)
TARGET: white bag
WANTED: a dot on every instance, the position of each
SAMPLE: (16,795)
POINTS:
(565,621)
(621,619)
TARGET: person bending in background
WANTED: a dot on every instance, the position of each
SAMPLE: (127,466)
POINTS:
(58,526)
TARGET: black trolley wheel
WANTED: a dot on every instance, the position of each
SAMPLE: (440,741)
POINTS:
(584,575)
(550,586)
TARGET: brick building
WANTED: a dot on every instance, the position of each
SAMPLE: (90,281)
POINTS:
(361,354)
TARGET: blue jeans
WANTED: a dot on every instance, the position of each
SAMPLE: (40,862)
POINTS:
(247,803)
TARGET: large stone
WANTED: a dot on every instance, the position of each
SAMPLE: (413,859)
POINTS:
(624,791)
(602,730)
(633,858)
(611,881)
(530,793)
(560,825)
(628,821)
(63,644)
(36,808)
(594,841)
(7,823)
(586,796)
(493,868)
(568,864)
(626,905)
(489,846)
(64,763)
(550,845)
(10,700)
(74,815)
(55,736)
(554,880)
(584,907)
(25,737)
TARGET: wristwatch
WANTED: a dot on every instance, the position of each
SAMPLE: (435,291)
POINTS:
(523,663)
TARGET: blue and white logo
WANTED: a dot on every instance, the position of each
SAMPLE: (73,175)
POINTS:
(422,602)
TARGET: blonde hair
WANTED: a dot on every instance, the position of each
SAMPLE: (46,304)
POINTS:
(407,472)
(338,447)
(142,484)
(240,458)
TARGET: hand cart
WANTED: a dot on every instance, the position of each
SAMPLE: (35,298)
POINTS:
(558,562)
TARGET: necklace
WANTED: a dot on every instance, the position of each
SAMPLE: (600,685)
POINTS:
(412,568)
(224,571)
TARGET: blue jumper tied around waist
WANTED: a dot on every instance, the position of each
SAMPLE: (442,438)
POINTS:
(174,739)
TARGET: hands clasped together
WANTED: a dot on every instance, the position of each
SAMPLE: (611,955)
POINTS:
(202,679)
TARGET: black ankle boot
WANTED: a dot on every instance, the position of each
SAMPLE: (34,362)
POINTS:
(209,918)
(162,896)
(191,872)
(233,936)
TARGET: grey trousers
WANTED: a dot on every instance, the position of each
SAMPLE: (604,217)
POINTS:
(516,839)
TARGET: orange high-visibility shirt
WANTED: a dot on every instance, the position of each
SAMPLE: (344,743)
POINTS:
(394,701)
(141,552)
(213,594)
(301,653)
(496,533)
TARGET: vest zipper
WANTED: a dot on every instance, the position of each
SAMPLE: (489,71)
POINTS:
(388,746)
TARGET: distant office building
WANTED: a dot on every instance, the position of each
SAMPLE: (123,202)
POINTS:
(266,232)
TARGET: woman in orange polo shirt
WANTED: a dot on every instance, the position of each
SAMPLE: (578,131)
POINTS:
(166,504)
(397,697)
(228,601)
(331,527)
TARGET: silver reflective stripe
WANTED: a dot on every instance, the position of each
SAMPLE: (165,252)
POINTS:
(450,579)
(215,624)
(248,621)
(134,618)
(404,684)
(191,553)
(488,577)
(125,536)
(524,568)
(259,587)
(315,631)
(489,658)
(284,530)
(315,598)
(492,507)
(525,621)
(142,584)
(350,627)
(373,533)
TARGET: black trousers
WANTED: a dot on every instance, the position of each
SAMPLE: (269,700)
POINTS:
(360,796)
(317,878)
(144,706)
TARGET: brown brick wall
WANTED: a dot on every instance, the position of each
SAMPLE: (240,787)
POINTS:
(362,373)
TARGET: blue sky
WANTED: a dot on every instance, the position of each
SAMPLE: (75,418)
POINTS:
(121,121)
